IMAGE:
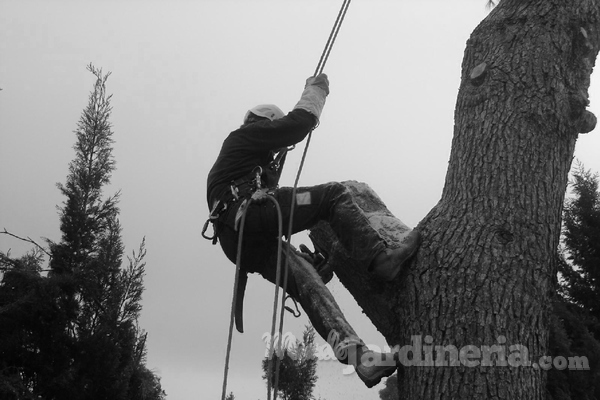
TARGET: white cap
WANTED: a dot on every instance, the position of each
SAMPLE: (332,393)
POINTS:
(269,111)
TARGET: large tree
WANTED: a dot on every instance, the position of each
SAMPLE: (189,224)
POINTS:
(484,273)
(107,296)
(74,333)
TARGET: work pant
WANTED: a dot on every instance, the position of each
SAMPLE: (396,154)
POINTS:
(331,202)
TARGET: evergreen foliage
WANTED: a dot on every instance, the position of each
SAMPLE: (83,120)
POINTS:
(297,368)
(73,334)
(582,242)
(230,396)
(574,321)
(390,391)
(574,324)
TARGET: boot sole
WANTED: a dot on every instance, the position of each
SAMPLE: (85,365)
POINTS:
(373,381)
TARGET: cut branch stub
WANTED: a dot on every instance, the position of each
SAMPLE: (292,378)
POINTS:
(587,123)
(478,74)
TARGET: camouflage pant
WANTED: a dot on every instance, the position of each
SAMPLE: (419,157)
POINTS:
(313,204)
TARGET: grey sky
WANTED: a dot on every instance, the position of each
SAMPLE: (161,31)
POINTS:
(183,75)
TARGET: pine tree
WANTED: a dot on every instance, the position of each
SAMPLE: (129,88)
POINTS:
(297,368)
(35,349)
(581,239)
(74,333)
(230,396)
(571,337)
(574,324)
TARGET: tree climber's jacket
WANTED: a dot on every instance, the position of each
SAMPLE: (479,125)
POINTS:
(255,145)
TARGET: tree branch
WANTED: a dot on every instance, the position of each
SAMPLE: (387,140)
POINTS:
(375,297)
(28,240)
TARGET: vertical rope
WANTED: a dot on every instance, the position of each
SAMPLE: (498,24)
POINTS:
(234,300)
(332,37)
(318,70)
(277,283)
(236,284)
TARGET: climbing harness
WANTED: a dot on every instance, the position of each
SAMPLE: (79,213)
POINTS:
(260,194)
(240,188)
(216,210)
(295,311)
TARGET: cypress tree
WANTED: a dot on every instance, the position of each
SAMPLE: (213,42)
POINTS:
(574,323)
(74,333)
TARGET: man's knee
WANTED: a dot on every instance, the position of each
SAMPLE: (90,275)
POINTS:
(333,188)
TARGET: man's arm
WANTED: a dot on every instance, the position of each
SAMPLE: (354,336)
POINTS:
(293,128)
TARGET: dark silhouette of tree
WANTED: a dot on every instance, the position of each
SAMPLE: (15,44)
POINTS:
(582,245)
(570,337)
(297,368)
(575,322)
(74,333)
(35,349)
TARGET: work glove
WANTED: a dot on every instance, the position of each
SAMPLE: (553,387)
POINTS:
(314,94)
(320,81)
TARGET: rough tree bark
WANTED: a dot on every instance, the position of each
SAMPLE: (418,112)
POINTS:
(485,270)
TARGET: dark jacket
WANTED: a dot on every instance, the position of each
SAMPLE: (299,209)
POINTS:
(253,145)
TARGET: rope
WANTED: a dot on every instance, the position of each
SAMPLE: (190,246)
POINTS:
(332,37)
(238,264)
(232,314)
(277,283)
(318,70)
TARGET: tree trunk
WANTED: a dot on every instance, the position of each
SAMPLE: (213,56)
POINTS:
(482,279)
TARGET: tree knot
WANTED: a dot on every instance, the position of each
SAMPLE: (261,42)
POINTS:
(504,236)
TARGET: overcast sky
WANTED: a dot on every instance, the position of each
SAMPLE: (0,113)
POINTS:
(183,75)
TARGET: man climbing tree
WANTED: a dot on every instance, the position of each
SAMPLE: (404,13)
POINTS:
(248,163)
(483,276)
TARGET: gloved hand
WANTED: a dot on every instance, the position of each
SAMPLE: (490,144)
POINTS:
(320,81)
(313,97)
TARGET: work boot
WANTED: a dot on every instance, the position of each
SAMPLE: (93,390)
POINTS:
(374,366)
(388,264)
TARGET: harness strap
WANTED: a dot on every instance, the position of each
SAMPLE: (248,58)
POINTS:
(239,300)
(218,207)
(242,188)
